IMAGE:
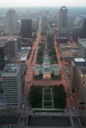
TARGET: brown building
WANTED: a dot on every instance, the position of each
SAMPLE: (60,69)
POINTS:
(78,78)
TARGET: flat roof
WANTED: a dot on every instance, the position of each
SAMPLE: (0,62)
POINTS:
(10,68)
(67,54)
(25,48)
(23,58)
(83,42)
(68,46)
(49,121)
(79,59)
(73,45)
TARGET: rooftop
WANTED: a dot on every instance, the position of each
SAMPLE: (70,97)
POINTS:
(2,43)
(83,42)
(10,68)
(68,46)
(80,62)
(9,118)
(67,53)
(79,59)
(46,70)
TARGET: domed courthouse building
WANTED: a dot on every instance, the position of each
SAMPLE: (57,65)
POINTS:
(46,69)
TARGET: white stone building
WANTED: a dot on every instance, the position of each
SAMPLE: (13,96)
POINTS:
(46,69)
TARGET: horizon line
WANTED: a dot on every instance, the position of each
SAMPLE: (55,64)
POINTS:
(40,6)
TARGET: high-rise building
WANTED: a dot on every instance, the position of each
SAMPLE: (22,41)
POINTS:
(12,85)
(26,28)
(11,22)
(4,53)
(44,24)
(78,78)
(63,17)
(13,47)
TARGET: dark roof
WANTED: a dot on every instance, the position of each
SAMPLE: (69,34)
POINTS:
(63,32)
(83,121)
(8,119)
(49,121)
(79,64)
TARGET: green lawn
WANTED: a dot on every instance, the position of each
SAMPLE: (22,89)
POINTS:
(47,96)
(59,96)
(48,103)
(47,90)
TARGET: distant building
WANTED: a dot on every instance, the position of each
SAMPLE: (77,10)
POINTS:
(63,17)
(12,85)
(13,47)
(11,22)
(4,53)
(63,35)
(44,26)
(68,51)
(26,28)
(19,41)
(82,47)
(9,119)
(46,69)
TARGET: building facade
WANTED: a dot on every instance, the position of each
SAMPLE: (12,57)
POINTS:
(12,85)
(26,28)
(78,78)
(13,47)
(11,22)
(46,69)
(82,47)
(63,17)
(4,53)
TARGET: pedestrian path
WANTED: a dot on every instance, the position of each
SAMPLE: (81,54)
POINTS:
(47,98)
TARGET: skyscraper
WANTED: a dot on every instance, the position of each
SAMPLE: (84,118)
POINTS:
(12,85)
(26,28)
(63,17)
(11,22)
(13,47)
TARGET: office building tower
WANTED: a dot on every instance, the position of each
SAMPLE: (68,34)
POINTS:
(4,53)
(63,17)
(45,25)
(26,28)
(12,85)
(78,78)
(13,47)
(11,22)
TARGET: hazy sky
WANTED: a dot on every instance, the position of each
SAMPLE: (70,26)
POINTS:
(23,3)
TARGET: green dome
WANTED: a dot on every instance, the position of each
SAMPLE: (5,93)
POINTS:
(46,59)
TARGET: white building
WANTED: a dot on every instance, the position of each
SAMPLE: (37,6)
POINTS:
(46,69)
(11,22)
(12,85)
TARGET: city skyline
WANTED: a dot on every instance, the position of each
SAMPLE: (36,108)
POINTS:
(42,3)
